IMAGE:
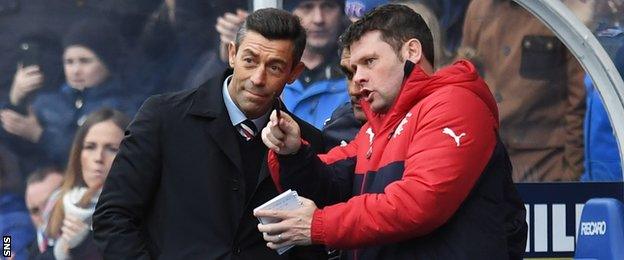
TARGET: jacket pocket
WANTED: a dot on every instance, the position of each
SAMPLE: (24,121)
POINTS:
(542,57)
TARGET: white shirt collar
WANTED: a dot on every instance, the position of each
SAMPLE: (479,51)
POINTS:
(236,115)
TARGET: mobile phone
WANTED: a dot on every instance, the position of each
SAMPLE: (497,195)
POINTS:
(30,53)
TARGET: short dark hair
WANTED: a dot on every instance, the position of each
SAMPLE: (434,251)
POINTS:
(275,24)
(41,174)
(397,24)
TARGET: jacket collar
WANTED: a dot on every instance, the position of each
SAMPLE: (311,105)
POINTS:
(208,99)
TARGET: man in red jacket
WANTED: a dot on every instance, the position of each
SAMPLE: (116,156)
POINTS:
(426,176)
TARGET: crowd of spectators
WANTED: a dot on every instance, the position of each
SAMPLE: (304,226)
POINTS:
(70,67)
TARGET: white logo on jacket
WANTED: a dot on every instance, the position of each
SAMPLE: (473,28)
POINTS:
(371,135)
(399,128)
(450,132)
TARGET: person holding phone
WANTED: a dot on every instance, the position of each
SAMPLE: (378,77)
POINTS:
(92,53)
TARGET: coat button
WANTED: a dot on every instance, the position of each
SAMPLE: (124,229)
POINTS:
(235,185)
(78,104)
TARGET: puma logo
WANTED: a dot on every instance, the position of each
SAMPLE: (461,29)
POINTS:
(399,129)
(450,132)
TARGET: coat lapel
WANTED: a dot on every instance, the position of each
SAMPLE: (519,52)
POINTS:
(208,104)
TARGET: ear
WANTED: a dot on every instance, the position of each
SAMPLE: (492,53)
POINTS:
(413,50)
(231,54)
(296,71)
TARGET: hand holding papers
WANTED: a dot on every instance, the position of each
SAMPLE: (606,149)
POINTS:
(286,220)
(288,200)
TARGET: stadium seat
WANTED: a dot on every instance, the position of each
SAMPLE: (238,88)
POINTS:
(601,230)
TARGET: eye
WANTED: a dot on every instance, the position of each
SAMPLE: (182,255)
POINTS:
(112,150)
(369,61)
(84,60)
(275,68)
(89,146)
(247,60)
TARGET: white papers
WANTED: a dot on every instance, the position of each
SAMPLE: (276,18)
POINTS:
(288,200)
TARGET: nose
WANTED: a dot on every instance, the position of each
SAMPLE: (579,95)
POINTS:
(360,77)
(317,15)
(74,69)
(98,157)
(258,78)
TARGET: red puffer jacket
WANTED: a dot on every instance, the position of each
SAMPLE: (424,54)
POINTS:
(417,169)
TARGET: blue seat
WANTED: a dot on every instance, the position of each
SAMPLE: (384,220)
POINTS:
(601,230)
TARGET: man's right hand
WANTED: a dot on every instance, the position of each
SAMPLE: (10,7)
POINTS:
(26,80)
(282,136)
(227,26)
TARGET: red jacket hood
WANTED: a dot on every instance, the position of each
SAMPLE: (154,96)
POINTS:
(419,85)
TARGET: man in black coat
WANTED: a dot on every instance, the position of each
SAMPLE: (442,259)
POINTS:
(191,168)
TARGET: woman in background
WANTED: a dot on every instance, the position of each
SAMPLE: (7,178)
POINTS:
(92,153)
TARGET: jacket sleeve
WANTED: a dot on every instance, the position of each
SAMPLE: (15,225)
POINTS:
(326,179)
(119,217)
(438,175)
(86,250)
(574,118)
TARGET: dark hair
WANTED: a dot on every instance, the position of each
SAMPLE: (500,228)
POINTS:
(42,173)
(275,24)
(73,173)
(397,24)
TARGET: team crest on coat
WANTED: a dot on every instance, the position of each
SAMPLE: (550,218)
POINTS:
(371,135)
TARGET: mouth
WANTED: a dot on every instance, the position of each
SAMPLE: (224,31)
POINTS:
(257,95)
(320,33)
(367,95)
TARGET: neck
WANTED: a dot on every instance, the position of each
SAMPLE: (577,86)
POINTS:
(312,59)
(426,67)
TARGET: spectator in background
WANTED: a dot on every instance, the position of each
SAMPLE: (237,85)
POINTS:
(346,121)
(450,16)
(176,42)
(93,149)
(602,157)
(321,88)
(19,19)
(14,219)
(538,86)
(39,69)
(40,187)
(92,57)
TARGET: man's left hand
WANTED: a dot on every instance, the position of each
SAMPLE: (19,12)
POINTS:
(293,229)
